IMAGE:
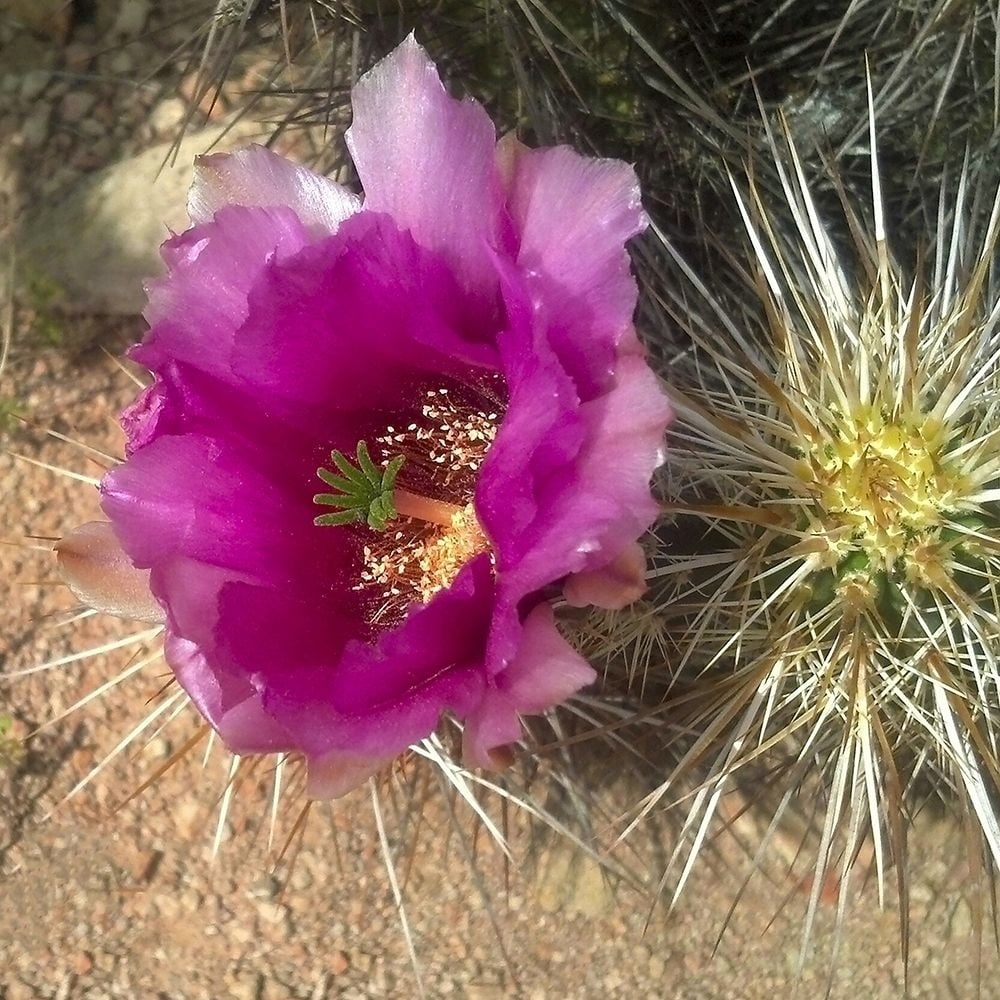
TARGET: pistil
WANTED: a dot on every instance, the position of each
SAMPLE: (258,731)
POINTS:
(423,508)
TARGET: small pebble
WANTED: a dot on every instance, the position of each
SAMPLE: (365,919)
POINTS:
(167,116)
(77,57)
(266,887)
(76,104)
(273,913)
(961,923)
(35,130)
(121,63)
(132,16)
(249,987)
(82,963)
(34,82)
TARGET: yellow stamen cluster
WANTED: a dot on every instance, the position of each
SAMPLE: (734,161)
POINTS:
(884,485)
(416,562)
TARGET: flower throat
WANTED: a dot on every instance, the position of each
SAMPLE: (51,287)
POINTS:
(423,532)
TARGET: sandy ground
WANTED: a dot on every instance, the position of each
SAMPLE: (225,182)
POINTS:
(104,899)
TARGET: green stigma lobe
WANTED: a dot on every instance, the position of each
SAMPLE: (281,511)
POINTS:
(365,491)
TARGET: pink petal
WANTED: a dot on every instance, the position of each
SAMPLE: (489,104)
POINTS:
(195,311)
(615,586)
(574,215)
(495,724)
(336,774)
(589,521)
(257,177)
(565,486)
(427,160)
(374,700)
(540,435)
(230,704)
(545,671)
(176,496)
(247,728)
(100,574)
(451,629)
(347,323)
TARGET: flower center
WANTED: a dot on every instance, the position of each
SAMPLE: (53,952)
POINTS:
(423,528)
(883,484)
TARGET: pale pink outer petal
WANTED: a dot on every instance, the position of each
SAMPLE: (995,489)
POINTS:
(427,160)
(573,215)
(336,774)
(195,311)
(95,567)
(244,727)
(614,586)
(545,671)
(248,725)
(256,177)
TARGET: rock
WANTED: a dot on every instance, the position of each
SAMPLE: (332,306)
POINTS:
(300,878)
(572,882)
(266,887)
(248,987)
(82,964)
(121,63)
(49,17)
(98,245)
(240,934)
(322,988)
(158,748)
(131,19)
(17,990)
(275,913)
(338,963)
(190,818)
(272,989)
(961,922)
(364,962)
(168,116)
(35,130)
(167,907)
(29,53)
(76,104)
(78,57)
(34,82)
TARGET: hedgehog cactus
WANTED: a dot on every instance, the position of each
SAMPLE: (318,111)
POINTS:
(828,591)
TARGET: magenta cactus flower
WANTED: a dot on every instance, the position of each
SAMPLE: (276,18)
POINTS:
(384,434)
